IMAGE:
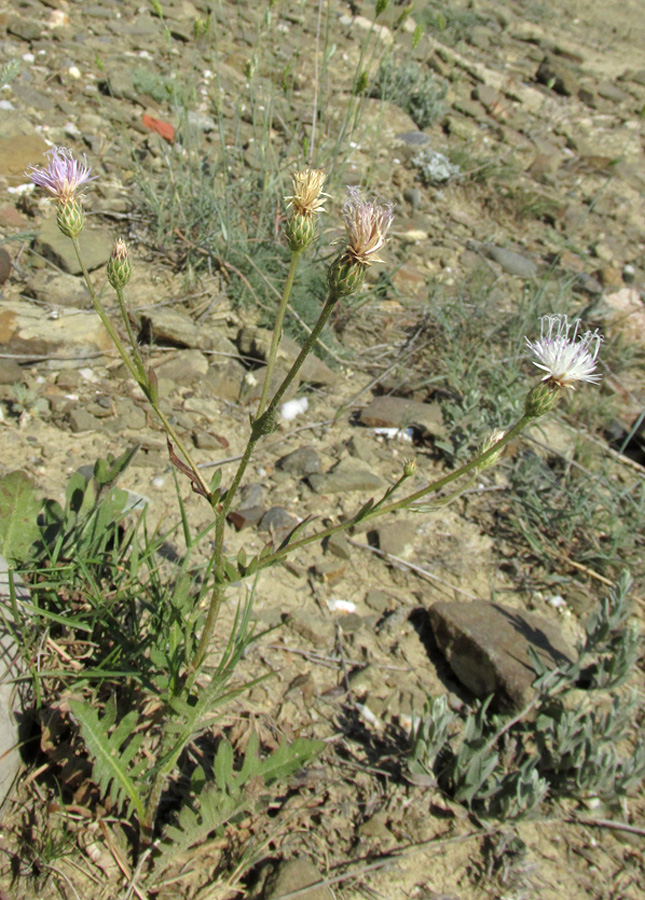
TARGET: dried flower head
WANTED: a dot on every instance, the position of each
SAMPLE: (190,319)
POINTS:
(565,357)
(308,197)
(120,250)
(367,226)
(64,177)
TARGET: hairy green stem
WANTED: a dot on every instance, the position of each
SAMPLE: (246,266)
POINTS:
(277,328)
(262,425)
(213,611)
(133,341)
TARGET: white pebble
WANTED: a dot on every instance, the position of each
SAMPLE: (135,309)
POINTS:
(74,71)
(71,129)
(28,57)
(558,602)
(401,434)
(158,481)
(345,606)
(293,408)
(366,713)
(22,188)
(88,374)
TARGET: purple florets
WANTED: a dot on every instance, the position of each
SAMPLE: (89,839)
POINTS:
(64,177)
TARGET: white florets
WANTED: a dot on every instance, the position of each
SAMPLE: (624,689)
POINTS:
(566,357)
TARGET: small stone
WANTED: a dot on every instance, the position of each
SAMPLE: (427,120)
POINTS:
(185,368)
(331,571)
(610,277)
(292,876)
(80,419)
(171,326)
(278,522)
(246,517)
(339,546)
(251,494)
(396,538)
(204,440)
(487,96)
(413,138)
(25,29)
(223,381)
(379,601)
(624,312)
(513,263)
(610,91)
(399,412)
(558,76)
(349,474)
(301,462)
(10,372)
(318,631)
(5,265)
(413,196)
(488,646)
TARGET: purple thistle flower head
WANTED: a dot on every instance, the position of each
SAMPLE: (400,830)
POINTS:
(367,225)
(64,177)
(566,359)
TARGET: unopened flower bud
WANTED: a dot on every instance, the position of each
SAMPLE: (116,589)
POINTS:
(119,267)
(70,218)
(541,398)
(488,444)
(410,467)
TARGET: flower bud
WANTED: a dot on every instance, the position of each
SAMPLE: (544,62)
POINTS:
(541,398)
(488,444)
(301,231)
(410,467)
(119,267)
(70,218)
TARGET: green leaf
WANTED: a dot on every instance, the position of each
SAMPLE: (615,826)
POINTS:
(106,471)
(111,763)
(222,799)
(19,508)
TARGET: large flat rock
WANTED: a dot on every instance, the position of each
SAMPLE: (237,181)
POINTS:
(488,645)
(29,330)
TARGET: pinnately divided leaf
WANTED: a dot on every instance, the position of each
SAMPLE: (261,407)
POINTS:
(224,797)
(112,764)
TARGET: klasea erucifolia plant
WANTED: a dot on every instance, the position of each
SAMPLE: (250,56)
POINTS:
(190,689)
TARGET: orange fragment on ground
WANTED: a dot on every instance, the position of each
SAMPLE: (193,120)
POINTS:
(165,129)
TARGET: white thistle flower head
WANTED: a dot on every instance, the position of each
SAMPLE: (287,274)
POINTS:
(566,357)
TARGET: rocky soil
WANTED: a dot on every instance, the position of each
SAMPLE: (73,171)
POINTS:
(545,99)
